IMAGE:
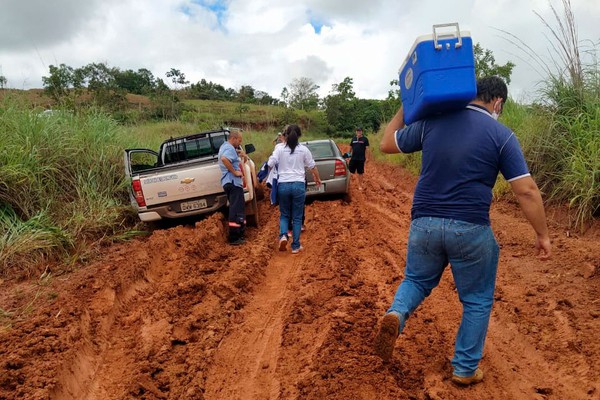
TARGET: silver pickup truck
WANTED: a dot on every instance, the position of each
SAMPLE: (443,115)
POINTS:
(183,178)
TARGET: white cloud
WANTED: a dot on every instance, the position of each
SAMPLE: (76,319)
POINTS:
(265,43)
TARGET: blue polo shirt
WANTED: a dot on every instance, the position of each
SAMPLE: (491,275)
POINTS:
(229,152)
(462,153)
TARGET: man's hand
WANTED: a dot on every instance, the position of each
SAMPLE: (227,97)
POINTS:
(242,154)
(530,201)
(237,173)
(544,248)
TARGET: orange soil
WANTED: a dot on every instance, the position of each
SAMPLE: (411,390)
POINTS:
(182,315)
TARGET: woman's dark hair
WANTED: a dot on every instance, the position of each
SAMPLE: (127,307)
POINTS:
(491,87)
(292,132)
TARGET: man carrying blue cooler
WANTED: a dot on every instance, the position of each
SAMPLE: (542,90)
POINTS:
(463,151)
(231,180)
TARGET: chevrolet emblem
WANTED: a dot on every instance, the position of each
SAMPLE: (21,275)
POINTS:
(188,180)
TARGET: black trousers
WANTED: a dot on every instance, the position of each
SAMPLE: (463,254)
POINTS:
(237,215)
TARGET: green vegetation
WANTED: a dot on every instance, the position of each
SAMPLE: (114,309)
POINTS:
(560,134)
(62,187)
(61,184)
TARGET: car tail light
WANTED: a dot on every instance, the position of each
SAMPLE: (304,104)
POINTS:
(340,168)
(137,191)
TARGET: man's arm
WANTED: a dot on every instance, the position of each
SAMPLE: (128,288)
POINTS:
(229,166)
(529,198)
(388,142)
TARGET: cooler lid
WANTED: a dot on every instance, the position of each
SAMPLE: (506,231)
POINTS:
(434,37)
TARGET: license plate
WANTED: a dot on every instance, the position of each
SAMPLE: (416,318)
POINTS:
(316,189)
(193,205)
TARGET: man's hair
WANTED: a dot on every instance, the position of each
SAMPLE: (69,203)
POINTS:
(491,87)
(234,135)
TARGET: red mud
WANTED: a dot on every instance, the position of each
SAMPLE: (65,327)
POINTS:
(182,315)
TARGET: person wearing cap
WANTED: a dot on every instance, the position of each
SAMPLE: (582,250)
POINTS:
(358,156)
(278,139)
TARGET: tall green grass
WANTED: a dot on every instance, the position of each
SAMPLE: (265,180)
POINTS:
(560,133)
(61,184)
(566,154)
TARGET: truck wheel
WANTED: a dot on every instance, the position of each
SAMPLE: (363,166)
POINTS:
(252,212)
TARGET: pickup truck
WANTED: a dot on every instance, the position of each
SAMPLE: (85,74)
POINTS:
(183,178)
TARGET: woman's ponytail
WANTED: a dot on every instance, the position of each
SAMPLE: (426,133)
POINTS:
(292,133)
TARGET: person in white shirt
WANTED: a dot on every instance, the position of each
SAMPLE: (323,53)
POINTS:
(292,158)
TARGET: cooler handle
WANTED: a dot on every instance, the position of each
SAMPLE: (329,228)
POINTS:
(438,46)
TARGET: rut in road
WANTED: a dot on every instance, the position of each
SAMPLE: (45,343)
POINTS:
(183,315)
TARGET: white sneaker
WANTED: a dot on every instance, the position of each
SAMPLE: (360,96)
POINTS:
(298,250)
(283,243)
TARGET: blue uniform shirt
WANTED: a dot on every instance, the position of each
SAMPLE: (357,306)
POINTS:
(463,152)
(229,152)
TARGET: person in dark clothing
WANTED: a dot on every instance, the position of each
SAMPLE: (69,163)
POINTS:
(231,180)
(359,145)
(462,153)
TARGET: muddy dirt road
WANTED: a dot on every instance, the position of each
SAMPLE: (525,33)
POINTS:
(182,315)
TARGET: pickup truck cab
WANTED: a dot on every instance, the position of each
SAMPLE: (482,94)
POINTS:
(183,178)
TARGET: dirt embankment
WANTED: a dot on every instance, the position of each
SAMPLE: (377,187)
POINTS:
(182,315)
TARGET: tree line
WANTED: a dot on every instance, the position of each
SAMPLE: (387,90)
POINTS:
(107,87)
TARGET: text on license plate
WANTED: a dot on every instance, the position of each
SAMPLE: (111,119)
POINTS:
(315,189)
(193,205)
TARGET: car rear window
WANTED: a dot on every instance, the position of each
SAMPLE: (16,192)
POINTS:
(320,150)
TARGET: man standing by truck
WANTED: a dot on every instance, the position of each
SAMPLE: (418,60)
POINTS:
(231,180)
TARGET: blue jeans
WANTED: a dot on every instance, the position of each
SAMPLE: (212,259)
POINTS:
(473,253)
(291,207)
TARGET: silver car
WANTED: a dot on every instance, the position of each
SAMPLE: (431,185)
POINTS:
(332,167)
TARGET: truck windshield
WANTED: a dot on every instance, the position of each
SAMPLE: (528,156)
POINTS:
(193,147)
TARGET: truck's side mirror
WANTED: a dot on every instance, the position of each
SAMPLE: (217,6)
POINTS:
(249,148)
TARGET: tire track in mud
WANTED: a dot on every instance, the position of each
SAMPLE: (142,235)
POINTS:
(182,315)
(146,323)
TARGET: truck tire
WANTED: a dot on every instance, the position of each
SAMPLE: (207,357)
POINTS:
(252,212)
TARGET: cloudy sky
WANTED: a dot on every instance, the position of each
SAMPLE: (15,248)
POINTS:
(268,43)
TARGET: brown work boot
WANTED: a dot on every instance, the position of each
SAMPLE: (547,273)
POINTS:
(386,337)
(468,380)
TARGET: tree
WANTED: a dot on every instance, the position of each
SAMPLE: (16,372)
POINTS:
(265,98)
(210,91)
(246,94)
(3,81)
(140,82)
(101,83)
(177,77)
(303,94)
(485,64)
(60,81)
(340,106)
(285,96)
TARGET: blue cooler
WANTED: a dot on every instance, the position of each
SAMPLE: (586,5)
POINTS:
(438,74)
